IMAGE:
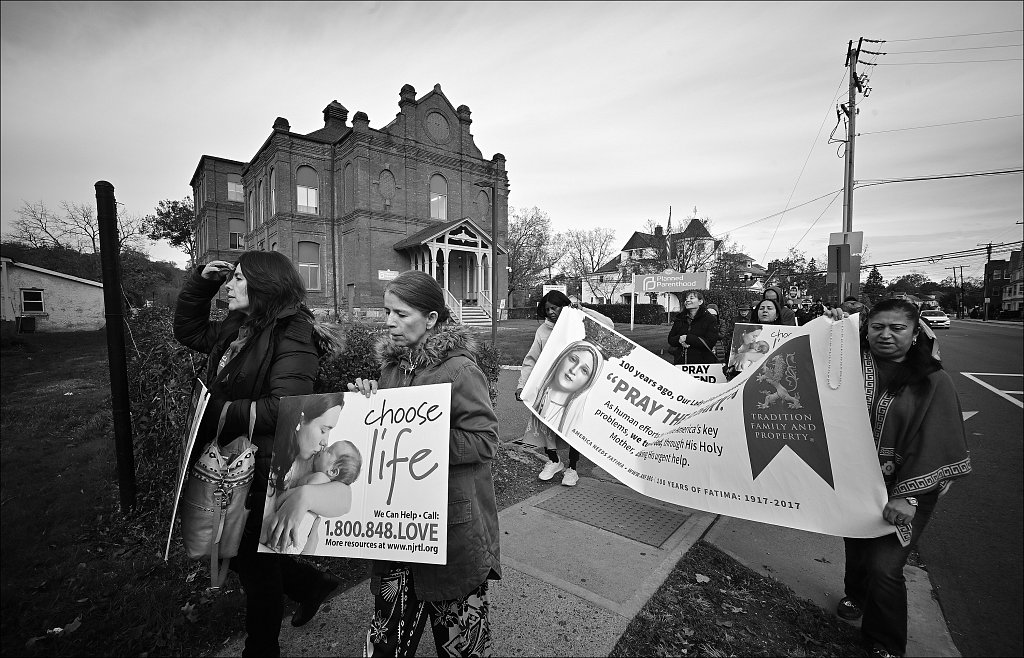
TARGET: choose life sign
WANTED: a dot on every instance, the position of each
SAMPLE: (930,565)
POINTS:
(665,282)
(786,442)
(399,497)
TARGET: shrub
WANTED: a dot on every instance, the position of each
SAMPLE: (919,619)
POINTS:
(619,313)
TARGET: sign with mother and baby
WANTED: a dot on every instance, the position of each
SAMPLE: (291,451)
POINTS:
(386,455)
(787,441)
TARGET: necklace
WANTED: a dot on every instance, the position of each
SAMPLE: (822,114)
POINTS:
(842,342)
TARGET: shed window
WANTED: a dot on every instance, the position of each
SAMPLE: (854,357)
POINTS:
(32,301)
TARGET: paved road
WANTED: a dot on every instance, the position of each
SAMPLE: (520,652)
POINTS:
(973,546)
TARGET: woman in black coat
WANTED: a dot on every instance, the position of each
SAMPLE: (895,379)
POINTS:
(694,332)
(267,347)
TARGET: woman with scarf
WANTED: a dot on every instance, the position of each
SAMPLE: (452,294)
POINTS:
(694,332)
(919,432)
(424,347)
(537,433)
(269,346)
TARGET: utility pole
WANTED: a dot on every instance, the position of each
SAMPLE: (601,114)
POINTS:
(850,110)
(956,290)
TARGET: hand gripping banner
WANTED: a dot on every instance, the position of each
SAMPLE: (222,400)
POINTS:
(786,442)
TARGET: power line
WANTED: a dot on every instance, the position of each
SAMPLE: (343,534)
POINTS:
(952,36)
(885,181)
(967,253)
(950,50)
(938,125)
(776,214)
(965,61)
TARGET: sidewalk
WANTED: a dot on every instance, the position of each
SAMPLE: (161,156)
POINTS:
(579,563)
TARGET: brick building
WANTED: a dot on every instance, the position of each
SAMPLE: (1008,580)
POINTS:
(352,205)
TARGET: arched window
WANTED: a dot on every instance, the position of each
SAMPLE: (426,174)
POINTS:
(273,192)
(483,207)
(236,236)
(259,203)
(252,212)
(309,264)
(235,188)
(307,190)
(438,197)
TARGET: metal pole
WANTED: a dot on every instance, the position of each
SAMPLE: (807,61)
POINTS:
(113,311)
(494,265)
(851,63)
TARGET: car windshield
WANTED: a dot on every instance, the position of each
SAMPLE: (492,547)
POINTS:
(931,314)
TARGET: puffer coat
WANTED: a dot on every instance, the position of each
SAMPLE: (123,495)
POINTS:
(448,356)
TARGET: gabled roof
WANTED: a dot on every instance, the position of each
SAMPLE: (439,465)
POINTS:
(610,267)
(50,272)
(435,230)
(644,241)
(695,230)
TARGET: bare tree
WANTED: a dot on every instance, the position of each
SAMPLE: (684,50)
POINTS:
(586,250)
(74,227)
(529,247)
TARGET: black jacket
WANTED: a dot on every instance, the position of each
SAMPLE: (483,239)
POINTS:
(280,360)
(701,336)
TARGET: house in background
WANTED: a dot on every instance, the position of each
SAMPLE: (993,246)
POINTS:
(38,299)
(693,249)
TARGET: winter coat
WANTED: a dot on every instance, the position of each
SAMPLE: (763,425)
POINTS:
(280,360)
(448,356)
(787,315)
(701,335)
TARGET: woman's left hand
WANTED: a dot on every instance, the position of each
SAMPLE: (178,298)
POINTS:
(898,511)
(285,528)
(365,386)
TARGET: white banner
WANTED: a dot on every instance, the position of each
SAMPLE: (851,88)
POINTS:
(395,446)
(786,442)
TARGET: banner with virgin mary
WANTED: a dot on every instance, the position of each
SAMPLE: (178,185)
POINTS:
(786,442)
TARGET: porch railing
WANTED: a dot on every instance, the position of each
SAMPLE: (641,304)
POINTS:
(485,301)
(454,305)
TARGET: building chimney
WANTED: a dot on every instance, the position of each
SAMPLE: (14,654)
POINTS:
(658,231)
(335,115)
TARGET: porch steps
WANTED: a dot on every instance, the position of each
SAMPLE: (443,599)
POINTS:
(474,316)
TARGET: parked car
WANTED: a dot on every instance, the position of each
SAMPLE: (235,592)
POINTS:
(935,319)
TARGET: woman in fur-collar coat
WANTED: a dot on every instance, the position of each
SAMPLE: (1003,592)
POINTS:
(422,347)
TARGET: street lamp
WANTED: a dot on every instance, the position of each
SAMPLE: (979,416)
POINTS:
(494,259)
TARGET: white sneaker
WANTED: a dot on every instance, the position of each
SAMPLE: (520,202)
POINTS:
(570,477)
(550,469)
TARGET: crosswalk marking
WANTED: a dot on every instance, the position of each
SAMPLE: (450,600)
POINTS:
(973,376)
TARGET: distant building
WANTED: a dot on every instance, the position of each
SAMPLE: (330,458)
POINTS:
(692,249)
(1013,288)
(996,275)
(38,299)
(353,206)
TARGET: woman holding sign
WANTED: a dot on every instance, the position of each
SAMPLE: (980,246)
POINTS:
(422,347)
(549,308)
(919,431)
(268,347)
(694,332)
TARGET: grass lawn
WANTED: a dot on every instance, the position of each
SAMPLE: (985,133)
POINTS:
(79,578)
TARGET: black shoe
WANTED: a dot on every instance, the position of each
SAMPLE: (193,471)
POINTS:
(849,610)
(308,609)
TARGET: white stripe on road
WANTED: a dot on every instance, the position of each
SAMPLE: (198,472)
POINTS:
(1002,394)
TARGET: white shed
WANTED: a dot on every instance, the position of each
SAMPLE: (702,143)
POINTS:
(38,299)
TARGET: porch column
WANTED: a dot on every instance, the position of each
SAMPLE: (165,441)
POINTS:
(447,262)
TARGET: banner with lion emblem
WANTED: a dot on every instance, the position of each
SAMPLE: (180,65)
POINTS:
(787,441)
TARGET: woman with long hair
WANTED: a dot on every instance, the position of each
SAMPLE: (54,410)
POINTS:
(424,347)
(549,308)
(919,432)
(565,387)
(694,332)
(269,346)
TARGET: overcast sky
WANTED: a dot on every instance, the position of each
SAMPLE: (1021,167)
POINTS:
(607,113)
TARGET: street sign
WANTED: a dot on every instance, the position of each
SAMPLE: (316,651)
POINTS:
(548,288)
(386,275)
(670,282)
